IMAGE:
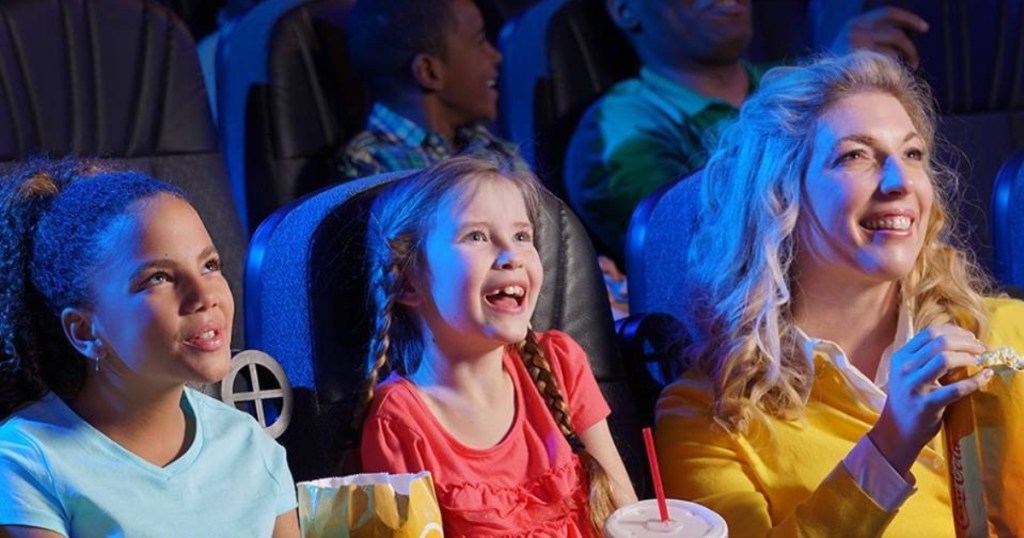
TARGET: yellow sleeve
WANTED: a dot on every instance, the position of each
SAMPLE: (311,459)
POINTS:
(701,462)
(1006,323)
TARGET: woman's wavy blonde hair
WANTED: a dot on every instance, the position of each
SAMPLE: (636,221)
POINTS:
(741,257)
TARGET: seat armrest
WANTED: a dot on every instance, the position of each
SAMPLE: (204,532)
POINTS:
(650,345)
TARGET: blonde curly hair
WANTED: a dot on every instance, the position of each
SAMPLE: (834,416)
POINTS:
(742,322)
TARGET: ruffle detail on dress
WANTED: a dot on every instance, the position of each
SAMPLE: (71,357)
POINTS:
(553,504)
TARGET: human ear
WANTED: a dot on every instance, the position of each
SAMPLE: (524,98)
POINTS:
(428,71)
(622,15)
(80,331)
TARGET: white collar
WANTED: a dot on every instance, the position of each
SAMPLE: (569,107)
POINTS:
(871,393)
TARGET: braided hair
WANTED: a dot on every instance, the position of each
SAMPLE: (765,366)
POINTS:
(601,504)
(52,218)
(400,221)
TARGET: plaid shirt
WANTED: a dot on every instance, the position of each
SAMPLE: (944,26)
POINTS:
(392,142)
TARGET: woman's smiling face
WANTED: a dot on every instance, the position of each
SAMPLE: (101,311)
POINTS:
(867,196)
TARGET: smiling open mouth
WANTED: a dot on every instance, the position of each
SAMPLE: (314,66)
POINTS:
(898,224)
(507,297)
(207,340)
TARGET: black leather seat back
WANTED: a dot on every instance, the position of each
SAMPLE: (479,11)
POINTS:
(117,80)
(560,56)
(315,100)
(290,100)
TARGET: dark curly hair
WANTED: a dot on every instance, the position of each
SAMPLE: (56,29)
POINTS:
(52,216)
(384,36)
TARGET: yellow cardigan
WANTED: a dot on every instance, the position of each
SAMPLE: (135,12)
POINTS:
(791,481)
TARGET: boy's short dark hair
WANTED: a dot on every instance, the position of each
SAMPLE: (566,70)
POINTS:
(385,35)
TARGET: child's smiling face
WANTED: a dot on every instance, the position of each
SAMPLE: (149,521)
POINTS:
(470,66)
(483,274)
(162,307)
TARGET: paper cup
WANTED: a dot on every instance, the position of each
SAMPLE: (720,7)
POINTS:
(686,520)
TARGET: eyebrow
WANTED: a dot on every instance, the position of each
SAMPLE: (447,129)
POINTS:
(207,252)
(869,140)
(485,224)
(165,264)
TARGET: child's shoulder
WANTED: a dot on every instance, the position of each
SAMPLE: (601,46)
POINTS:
(395,399)
(220,417)
(559,341)
(561,350)
(36,419)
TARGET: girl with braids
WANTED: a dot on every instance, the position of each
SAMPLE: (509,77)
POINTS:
(511,424)
(830,303)
(111,300)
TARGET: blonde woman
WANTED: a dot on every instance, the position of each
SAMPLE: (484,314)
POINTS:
(831,302)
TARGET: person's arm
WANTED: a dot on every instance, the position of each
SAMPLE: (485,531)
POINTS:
(701,462)
(615,284)
(598,439)
(589,409)
(287,525)
(29,504)
(358,159)
(387,447)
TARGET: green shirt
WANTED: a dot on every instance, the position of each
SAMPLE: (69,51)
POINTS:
(642,134)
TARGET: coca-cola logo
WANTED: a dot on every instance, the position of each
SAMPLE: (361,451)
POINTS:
(959,492)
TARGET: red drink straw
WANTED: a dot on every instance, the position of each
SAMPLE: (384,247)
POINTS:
(652,459)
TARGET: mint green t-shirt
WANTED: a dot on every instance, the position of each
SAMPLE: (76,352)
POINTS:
(59,473)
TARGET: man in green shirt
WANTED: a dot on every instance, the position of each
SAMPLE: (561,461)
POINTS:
(649,130)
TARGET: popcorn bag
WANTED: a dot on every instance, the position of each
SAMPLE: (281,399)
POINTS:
(985,447)
(370,506)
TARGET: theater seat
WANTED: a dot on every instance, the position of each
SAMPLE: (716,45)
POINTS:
(560,56)
(657,245)
(657,248)
(308,308)
(117,80)
(288,99)
(1008,222)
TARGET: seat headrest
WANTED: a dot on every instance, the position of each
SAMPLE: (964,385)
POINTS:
(113,78)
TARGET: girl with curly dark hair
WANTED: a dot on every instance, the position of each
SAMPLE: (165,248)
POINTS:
(111,300)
